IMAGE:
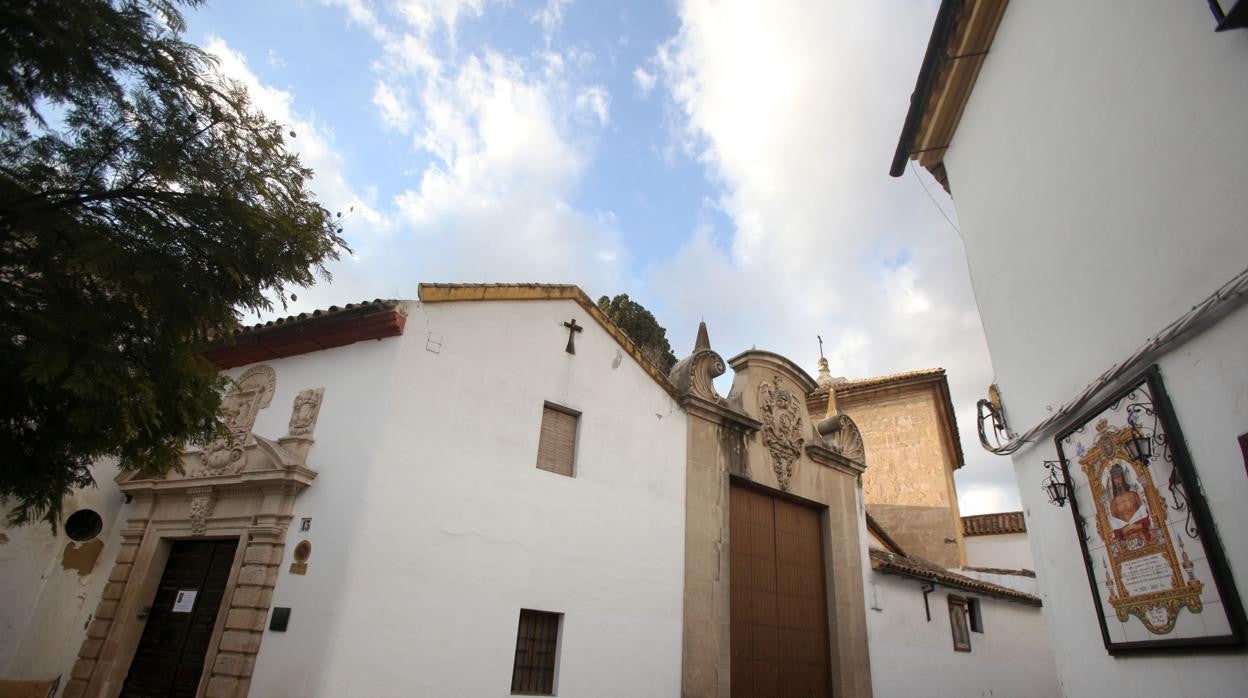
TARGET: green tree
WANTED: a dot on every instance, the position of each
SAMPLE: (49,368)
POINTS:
(144,204)
(641,327)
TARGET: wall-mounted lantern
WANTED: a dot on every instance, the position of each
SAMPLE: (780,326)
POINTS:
(1055,485)
(1139,447)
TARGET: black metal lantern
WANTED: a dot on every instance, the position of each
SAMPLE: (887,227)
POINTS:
(1055,485)
(1139,447)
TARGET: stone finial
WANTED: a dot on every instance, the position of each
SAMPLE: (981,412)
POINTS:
(695,374)
(838,430)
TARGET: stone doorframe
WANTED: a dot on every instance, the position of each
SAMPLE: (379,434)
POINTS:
(250,498)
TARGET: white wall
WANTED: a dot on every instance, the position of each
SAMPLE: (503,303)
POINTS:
(1006,550)
(417,579)
(1099,174)
(911,656)
(44,607)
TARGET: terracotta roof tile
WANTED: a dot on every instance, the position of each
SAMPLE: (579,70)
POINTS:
(882,380)
(994,524)
(291,320)
(918,568)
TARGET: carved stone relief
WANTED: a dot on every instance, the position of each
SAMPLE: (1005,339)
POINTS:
(306,409)
(202,504)
(782,427)
(252,392)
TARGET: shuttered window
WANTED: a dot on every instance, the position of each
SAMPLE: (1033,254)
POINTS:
(536,643)
(556,449)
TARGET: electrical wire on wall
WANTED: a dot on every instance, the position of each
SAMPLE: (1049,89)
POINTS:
(1216,305)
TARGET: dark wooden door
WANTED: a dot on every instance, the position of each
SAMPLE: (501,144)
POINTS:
(779,602)
(170,657)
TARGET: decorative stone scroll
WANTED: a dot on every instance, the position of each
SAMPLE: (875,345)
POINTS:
(695,374)
(782,427)
(841,434)
(306,409)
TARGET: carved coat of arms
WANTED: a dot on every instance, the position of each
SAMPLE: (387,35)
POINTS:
(782,427)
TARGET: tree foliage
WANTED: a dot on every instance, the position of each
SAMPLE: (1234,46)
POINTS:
(144,204)
(641,327)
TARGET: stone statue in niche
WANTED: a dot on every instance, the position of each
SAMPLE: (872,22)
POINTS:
(306,409)
(782,419)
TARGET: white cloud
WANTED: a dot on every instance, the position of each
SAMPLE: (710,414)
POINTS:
(275,60)
(395,113)
(645,80)
(550,17)
(795,112)
(595,100)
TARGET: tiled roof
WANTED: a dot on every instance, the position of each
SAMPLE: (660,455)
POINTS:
(308,332)
(349,309)
(884,380)
(918,568)
(994,524)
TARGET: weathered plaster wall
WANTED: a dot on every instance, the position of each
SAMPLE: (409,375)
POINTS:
(911,656)
(447,529)
(1051,182)
(1007,550)
(49,585)
(908,486)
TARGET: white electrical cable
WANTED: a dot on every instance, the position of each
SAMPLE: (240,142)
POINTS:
(1220,302)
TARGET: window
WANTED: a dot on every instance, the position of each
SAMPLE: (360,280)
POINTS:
(976,613)
(556,448)
(957,623)
(536,644)
(83,525)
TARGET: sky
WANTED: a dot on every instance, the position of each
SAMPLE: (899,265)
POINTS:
(725,161)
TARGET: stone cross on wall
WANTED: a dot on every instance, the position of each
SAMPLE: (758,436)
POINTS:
(573,328)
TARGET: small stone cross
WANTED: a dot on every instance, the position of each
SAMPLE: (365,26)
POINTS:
(573,328)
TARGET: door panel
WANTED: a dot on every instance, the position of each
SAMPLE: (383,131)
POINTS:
(779,602)
(170,658)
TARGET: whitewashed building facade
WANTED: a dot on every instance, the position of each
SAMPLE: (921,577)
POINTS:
(1097,159)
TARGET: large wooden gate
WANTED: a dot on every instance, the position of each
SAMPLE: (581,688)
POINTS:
(170,659)
(779,602)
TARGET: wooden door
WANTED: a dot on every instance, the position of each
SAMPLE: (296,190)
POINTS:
(170,657)
(779,602)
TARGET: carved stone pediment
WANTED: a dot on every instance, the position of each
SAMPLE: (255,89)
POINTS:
(240,461)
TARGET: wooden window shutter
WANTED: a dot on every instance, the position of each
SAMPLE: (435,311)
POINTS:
(556,449)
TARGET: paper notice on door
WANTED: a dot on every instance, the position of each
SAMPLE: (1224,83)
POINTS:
(185,600)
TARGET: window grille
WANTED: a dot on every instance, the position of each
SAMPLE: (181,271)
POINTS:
(536,643)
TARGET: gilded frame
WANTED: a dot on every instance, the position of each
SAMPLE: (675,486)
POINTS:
(1158,575)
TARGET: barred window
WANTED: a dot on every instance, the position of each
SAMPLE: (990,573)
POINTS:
(536,643)
(556,448)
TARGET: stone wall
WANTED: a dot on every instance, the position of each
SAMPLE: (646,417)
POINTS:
(908,486)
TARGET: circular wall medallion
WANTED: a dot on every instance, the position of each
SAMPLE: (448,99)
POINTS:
(83,524)
(303,551)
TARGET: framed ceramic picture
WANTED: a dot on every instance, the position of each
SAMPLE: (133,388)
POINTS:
(1158,574)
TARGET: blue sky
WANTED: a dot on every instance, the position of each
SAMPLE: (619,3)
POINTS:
(715,160)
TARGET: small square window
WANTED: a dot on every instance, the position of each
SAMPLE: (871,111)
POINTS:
(556,447)
(975,612)
(537,641)
(957,623)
